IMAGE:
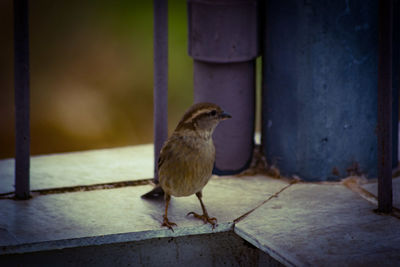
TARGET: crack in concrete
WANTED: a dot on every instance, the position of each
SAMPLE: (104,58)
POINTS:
(265,201)
(80,188)
(353,183)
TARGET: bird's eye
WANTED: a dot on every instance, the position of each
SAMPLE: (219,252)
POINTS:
(213,113)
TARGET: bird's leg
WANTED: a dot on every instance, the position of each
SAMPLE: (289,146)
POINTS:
(166,222)
(204,217)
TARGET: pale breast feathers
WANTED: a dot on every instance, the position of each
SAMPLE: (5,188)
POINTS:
(185,163)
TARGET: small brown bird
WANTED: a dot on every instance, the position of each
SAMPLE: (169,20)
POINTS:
(187,158)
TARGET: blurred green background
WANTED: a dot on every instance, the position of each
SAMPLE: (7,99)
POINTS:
(92,73)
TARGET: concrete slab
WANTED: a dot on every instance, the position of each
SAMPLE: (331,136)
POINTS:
(307,224)
(373,189)
(222,249)
(6,238)
(83,168)
(322,225)
(115,211)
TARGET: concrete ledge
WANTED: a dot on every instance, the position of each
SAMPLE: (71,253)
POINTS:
(83,168)
(112,239)
(122,210)
(217,249)
(323,225)
(261,221)
(268,248)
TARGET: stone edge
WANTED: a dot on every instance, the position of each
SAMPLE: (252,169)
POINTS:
(113,238)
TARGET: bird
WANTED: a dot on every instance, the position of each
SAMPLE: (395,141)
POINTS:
(187,158)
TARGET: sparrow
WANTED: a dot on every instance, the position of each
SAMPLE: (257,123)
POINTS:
(187,158)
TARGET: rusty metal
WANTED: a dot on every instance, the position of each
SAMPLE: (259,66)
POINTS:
(21,89)
(160,78)
(385,198)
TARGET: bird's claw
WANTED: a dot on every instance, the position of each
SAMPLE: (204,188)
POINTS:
(205,218)
(168,224)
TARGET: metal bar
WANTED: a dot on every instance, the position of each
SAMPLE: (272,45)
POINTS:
(396,83)
(385,198)
(21,88)
(160,78)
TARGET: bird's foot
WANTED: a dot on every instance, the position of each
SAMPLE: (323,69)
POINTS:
(168,224)
(205,218)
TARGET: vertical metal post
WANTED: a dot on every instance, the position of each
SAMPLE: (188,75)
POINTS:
(21,87)
(396,82)
(160,78)
(385,197)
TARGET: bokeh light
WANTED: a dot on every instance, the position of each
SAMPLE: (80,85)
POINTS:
(92,73)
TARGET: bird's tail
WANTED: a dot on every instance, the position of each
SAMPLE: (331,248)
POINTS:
(155,193)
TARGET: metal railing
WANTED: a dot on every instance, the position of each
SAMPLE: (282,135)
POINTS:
(385,197)
(160,78)
(22,103)
(21,72)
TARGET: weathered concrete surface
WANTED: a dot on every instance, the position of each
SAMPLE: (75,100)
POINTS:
(306,224)
(373,189)
(105,227)
(83,168)
(113,211)
(7,238)
(323,225)
(223,249)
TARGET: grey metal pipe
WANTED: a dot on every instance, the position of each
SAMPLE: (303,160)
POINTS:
(160,78)
(231,86)
(21,89)
(224,42)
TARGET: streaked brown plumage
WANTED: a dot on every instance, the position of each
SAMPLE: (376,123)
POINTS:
(187,157)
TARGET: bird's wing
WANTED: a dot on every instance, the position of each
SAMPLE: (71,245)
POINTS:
(160,162)
(166,152)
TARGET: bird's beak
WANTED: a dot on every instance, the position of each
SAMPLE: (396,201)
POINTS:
(224,116)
